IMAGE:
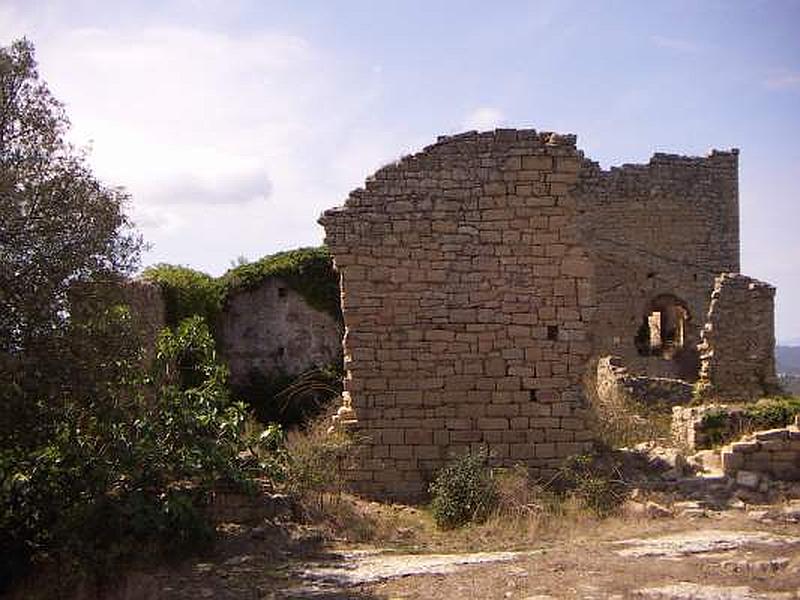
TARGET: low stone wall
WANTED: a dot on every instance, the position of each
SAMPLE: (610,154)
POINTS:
(617,387)
(774,453)
(230,505)
(702,427)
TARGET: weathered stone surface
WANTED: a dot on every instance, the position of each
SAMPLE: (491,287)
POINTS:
(482,277)
(272,330)
(738,341)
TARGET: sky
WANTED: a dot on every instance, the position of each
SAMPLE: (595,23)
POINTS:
(234,123)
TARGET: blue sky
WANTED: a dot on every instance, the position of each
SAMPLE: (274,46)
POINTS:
(235,123)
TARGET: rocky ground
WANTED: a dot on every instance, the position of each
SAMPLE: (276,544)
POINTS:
(676,550)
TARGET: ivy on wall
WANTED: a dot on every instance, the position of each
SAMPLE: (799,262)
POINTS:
(186,292)
(308,271)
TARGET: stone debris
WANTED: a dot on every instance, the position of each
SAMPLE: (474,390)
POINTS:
(700,542)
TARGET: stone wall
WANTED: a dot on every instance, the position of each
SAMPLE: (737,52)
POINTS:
(467,299)
(708,425)
(620,390)
(147,309)
(738,341)
(774,453)
(271,330)
(666,228)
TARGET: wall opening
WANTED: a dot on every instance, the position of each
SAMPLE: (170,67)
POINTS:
(663,328)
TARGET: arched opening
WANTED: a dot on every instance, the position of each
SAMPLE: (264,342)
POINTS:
(663,329)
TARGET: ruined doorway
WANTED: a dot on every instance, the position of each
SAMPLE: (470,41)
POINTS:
(663,328)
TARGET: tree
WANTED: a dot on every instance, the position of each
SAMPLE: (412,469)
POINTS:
(58,224)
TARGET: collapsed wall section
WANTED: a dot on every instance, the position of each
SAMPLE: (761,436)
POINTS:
(467,298)
(658,234)
(738,341)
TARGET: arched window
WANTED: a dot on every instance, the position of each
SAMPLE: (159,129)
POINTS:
(663,328)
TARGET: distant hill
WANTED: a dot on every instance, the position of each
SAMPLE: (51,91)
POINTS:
(787,359)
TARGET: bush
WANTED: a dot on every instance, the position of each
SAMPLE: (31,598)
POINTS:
(597,485)
(317,459)
(463,492)
(125,474)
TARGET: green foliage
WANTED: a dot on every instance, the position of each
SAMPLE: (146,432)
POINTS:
(59,224)
(463,492)
(308,271)
(773,412)
(721,425)
(125,473)
(186,292)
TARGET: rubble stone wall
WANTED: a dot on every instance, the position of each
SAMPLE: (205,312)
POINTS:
(738,342)
(467,299)
(666,227)
(271,329)
(619,390)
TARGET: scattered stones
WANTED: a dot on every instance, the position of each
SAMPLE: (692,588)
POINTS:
(757,567)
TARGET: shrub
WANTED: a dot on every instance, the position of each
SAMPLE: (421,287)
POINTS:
(316,460)
(598,486)
(463,491)
(125,474)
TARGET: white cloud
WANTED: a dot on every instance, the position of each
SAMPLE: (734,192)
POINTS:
(227,145)
(483,118)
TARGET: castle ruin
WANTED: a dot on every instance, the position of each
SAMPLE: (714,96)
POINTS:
(484,278)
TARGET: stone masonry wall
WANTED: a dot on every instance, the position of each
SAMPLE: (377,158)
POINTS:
(271,330)
(666,227)
(774,453)
(738,341)
(467,299)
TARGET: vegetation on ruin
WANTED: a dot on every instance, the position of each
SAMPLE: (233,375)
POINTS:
(308,271)
(186,292)
(767,413)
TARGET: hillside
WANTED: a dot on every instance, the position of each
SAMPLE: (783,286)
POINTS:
(788,359)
